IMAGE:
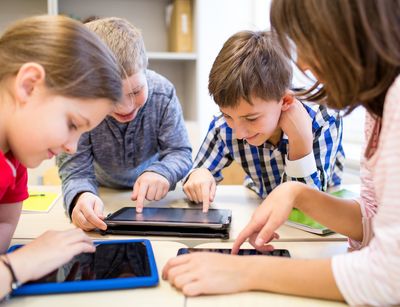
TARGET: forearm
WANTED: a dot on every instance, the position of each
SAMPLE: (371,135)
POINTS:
(299,148)
(9,216)
(341,215)
(72,188)
(5,276)
(302,277)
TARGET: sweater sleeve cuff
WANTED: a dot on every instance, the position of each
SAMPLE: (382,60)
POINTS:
(74,189)
(302,167)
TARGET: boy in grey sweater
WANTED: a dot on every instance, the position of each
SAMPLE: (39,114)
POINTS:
(142,145)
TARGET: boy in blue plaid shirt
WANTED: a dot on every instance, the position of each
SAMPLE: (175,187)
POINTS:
(273,136)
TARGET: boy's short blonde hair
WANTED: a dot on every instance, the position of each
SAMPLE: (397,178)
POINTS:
(125,40)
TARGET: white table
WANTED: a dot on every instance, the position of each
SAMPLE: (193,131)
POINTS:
(239,199)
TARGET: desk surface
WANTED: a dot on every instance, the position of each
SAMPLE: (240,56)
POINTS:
(162,295)
(256,298)
(239,199)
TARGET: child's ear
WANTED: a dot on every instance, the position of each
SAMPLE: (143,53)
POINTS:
(29,76)
(287,100)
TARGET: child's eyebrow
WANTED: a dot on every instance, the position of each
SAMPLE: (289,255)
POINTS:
(138,87)
(250,114)
(86,120)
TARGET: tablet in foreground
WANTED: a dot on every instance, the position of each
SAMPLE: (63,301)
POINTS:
(242,252)
(116,264)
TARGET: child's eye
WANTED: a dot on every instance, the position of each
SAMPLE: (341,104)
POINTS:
(251,119)
(72,126)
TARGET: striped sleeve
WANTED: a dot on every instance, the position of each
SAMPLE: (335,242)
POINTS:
(318,168)
(372,275)
(214,153)
(367,200)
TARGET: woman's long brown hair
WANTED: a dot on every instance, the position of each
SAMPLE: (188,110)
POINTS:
(353,47)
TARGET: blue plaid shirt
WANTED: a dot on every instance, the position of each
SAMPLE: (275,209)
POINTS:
(266,165)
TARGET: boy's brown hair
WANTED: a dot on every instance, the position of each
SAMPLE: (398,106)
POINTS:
(125,40)
(352,45)
(250,64)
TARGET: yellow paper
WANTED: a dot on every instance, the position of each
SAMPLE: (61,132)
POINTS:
(40,201)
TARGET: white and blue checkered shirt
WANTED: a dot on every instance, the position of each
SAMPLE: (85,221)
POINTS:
(267,165)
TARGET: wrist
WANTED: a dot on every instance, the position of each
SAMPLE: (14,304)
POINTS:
(16,268)
(296,190)
(301,192)
(298,148)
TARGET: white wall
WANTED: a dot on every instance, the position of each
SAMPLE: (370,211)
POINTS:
(215,26)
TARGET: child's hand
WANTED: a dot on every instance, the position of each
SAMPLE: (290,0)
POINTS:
(269,216)
(296,124)
(88,212)
(48,252)
(150,186)
(208,273)
(200,187)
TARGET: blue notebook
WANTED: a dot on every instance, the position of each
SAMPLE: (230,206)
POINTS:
(116,264)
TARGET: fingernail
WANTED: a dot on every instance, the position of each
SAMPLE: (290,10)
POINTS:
(259,242)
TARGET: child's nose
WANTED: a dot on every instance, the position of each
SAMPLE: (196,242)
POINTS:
(71,146)
(125,106)
(240,131)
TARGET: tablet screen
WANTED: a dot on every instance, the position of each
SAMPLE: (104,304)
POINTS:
(171,215)
(242,252)
(114,260)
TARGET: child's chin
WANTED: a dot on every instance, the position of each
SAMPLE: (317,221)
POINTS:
(31,163)
(256,142)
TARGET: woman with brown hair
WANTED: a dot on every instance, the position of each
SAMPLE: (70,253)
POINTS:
(353,49)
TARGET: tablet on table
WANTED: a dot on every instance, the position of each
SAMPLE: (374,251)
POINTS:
(181,222)
(116,264)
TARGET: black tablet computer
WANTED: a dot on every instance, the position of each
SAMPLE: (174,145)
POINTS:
(242,252)
(181,222)
(116,264)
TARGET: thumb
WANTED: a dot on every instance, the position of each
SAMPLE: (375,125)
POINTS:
(98,208)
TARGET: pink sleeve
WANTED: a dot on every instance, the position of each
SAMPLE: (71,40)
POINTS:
(371,276)
(367,198)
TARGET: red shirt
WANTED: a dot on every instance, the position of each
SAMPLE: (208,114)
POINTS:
(13,179)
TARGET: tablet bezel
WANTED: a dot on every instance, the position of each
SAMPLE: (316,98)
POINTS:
(226,217)
(95,285)
(253,252)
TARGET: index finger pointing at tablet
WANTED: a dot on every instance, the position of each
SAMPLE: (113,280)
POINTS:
(141,197)
(205,194)
(242,237)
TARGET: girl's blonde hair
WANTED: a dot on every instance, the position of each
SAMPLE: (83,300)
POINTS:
(76,62)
